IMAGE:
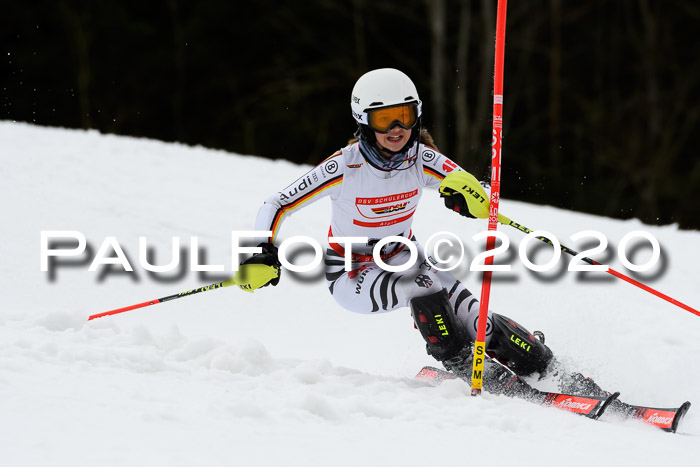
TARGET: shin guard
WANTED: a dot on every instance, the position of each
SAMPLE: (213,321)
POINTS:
(437,323)
(515,347)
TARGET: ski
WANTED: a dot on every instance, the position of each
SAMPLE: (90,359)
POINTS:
(593,407)
(665,418)
(434,375)
(588,406)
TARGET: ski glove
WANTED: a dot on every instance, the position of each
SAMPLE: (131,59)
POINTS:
(268,256)
(454,201)
(464,194)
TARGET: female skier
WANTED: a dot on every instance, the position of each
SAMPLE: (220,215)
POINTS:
(375,184)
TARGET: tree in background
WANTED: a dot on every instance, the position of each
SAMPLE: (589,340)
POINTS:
(601,98)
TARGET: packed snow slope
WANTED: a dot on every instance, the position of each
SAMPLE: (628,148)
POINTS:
(283,376)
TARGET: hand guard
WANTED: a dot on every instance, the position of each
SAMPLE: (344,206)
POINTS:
(268,257)
(461,190)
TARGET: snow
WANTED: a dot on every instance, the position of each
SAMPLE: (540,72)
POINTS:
(284,376)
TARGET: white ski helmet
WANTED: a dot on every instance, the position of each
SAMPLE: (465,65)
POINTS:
(380,89)
(385,87)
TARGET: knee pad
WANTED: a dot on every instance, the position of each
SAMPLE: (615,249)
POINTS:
(515,347)
(438,325)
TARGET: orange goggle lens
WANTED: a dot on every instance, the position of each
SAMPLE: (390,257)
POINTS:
(383,120)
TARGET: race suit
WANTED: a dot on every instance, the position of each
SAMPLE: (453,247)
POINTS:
(368,202)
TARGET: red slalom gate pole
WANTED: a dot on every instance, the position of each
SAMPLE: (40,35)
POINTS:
(480,345)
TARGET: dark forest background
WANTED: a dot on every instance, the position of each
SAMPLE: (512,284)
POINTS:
(601,97)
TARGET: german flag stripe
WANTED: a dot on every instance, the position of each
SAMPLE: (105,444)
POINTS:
(330,157)
(282,211)
(433,173)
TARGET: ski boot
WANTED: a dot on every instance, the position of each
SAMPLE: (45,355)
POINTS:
(577,384)
(497,378)
(539,335)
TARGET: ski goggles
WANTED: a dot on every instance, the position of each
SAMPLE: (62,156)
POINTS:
(384,119)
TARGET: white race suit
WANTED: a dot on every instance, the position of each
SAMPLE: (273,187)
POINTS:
(368,202)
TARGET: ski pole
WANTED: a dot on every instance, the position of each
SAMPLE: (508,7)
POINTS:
(479,207)
(248,277)
(506,221)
